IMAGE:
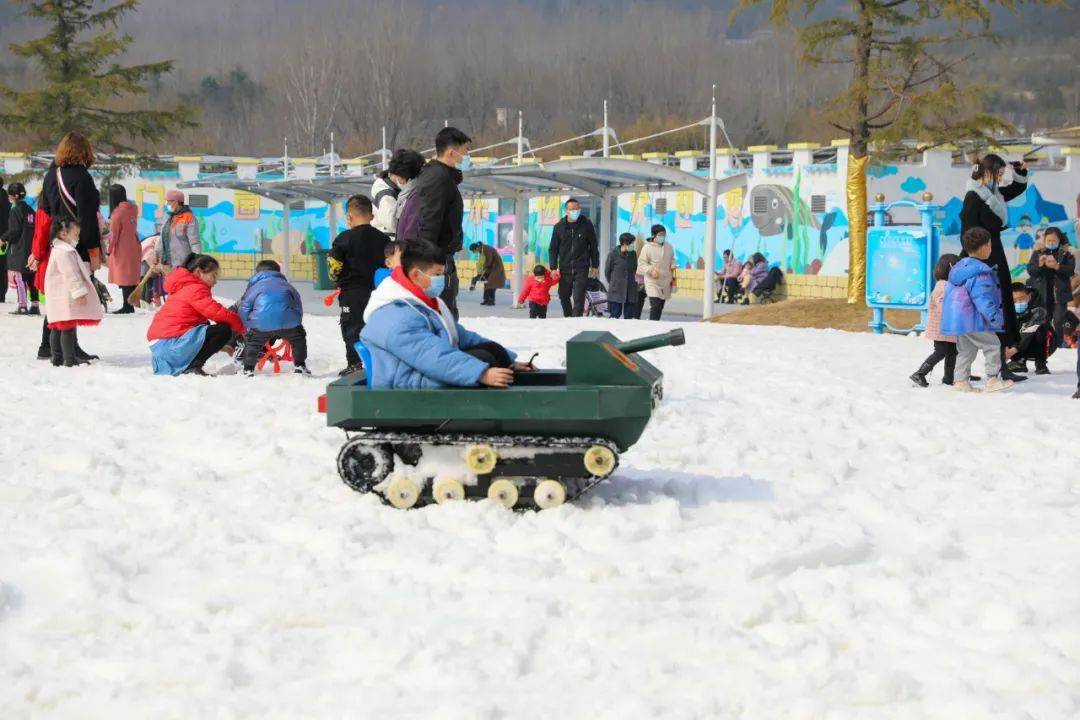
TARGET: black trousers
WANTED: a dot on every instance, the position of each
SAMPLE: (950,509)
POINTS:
(622,310)
(641,296)
(353,302)
(492,353)
(450,292)
(536,310)
(732,288)
(942,351)
(217,336)
(489,297)
(3,274)
(125,291)
(1032,346)
(572,292)
(31,288)
(255,341)
(656,307)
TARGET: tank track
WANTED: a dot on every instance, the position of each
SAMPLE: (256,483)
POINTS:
(566,467)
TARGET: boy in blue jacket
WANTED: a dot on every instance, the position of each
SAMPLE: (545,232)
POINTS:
(972,311)
(413,338)
(271,309)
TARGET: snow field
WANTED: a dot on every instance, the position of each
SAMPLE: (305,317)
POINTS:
(799,534)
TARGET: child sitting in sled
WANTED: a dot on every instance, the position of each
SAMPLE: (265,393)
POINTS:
(414,340)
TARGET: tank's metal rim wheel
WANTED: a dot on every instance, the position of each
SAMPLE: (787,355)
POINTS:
(448,490)
(600,461)
(402,493)
(549,494)
(481,458)
(503,492)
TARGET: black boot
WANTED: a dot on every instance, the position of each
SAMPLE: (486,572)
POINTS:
(1006,375)
(1041,369)
(45,348)
(919,376)
(82,354)
(1076,395)
(68,344)
(56,352)
(1017,366)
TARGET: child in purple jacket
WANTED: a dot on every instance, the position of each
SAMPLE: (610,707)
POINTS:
(972,312)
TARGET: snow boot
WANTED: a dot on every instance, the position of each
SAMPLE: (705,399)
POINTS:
(56,352)
(196,371)
(995,384)
(1014,377)
(964,386)
(1076,395)
(1017,366)
(919,377)
(1041,369)
(34,310)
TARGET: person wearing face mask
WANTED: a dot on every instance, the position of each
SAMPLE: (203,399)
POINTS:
(414,340)
(1034,328)
(179,233)
(657,266)
(388,187)
(620,268)
(434,210)
(575,255)
(993,183)
(1050,272)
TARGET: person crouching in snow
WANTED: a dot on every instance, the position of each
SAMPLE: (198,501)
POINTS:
(181,334)
(537,291)
(414,340)
(944,345)
(271,309)
(972,311)
(70,300)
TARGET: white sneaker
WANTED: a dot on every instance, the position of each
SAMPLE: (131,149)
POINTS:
(249,373)
(964,386)
(996,383)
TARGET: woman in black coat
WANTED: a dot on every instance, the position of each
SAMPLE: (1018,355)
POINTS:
(74,157)
(19,236)
(984,207)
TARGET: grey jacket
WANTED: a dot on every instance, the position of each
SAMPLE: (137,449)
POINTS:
(183,238)
(620,268)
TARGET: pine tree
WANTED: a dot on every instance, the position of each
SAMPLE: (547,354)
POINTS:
(904,81)
(82,80)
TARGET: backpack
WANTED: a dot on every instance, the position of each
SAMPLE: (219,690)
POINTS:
(408,224)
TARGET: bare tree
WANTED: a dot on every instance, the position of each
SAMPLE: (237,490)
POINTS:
(313,93)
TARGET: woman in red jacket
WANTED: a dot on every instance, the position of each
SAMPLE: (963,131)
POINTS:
(182,339)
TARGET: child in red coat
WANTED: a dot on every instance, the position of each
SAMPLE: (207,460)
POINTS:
(538,291)
(181,336)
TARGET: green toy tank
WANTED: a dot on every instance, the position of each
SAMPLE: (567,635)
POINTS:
(550,437)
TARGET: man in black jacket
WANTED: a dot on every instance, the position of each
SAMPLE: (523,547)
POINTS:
(354,257)
(440,206)
(575,253)
(5,210)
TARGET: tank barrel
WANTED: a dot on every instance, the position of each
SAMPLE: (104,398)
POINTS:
(672,338)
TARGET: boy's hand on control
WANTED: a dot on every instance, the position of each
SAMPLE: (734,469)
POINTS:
(497,377)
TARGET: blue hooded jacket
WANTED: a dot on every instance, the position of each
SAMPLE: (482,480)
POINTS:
(413,347)
(972,300)
(270,303)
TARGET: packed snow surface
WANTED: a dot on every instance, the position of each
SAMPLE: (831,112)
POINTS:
(799,534)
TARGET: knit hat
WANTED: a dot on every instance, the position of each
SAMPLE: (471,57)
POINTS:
(174,196)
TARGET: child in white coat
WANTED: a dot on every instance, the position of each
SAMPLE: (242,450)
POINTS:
(70,298)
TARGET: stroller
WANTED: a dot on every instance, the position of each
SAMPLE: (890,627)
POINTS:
(595,299)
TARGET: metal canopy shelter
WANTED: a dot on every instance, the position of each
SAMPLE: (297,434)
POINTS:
(603,178)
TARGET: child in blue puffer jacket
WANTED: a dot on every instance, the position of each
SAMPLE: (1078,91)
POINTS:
(414,340)
(270,310)
(972,312)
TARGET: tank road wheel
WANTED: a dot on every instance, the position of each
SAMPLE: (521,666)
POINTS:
(402,493)
(503,492)
(448,490)
(599,461)
(362,467)
(481,459)
(549,494)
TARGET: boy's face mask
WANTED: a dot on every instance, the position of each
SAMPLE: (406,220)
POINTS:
(574,214)
(1021,307)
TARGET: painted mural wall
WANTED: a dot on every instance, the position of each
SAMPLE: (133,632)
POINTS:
(792,213)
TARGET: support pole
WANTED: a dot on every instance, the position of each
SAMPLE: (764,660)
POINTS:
(607,133)
(605,230)
(520,138)
(385,151)
(286,229)
(285,164)
(332,218)
(521,218)
(331,153)
(710,220)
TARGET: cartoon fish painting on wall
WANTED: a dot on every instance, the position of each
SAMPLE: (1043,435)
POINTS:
(777,210)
